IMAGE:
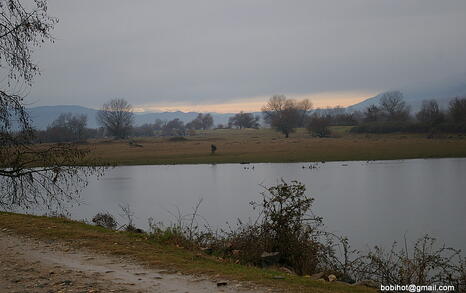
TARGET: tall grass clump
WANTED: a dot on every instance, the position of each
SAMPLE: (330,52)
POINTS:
(187,231)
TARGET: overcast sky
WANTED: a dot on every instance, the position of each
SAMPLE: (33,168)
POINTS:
(234,54)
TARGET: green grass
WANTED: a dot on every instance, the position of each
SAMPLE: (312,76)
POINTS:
(159,255)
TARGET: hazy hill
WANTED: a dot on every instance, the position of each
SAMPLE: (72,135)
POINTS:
(442,91)
(414,101)
(44,115)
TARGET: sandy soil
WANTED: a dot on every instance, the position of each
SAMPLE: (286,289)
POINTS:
(29,265)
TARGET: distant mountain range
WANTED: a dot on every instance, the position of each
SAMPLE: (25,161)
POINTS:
(44,115)
(443,92)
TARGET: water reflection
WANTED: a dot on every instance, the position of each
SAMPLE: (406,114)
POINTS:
(371,202)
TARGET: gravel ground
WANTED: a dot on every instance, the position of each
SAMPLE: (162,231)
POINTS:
(29,265)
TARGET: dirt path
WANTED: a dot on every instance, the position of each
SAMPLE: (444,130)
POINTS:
(29,265)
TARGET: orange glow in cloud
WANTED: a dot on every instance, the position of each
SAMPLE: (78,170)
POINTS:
(254,104)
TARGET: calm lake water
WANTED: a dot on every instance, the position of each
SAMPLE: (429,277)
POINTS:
(373,203)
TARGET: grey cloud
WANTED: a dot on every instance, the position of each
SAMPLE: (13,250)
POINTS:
(211,51)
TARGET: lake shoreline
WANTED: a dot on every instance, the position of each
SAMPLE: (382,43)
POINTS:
(134,246)
(267,146)
(348,194)
(289,162)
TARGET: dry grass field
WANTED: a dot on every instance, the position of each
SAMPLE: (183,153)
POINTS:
(266,145)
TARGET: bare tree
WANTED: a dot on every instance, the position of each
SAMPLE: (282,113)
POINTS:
(117,117)
(244,120)
(158,124)
(318,125)
(372,114)
(304,107)
(457,110)
(67,127)
(207,121)
(202,121)
(146,129)
(30,176)
(430,113)
(21,30)
(282,114)
(394,107)
(174,127)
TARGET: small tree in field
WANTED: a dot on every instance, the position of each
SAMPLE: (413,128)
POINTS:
(174,127)
(68,127)
(202,121)
(304,107)
(394,107)
(318,125)
(282,114)
(244,120)
(457,110)
(372,114)
(430,113)
(117,117)
(207,121)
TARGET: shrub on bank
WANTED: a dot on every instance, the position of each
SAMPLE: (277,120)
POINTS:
(288,235)
(286,229)
(105,220)
(425,264)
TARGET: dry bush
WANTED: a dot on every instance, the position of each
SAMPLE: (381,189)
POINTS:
(285,226)
(287,229)
(105,220)
(425,264)
(338,258)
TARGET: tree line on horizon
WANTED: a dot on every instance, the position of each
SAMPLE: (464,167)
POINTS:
(285,115)
(116,118)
